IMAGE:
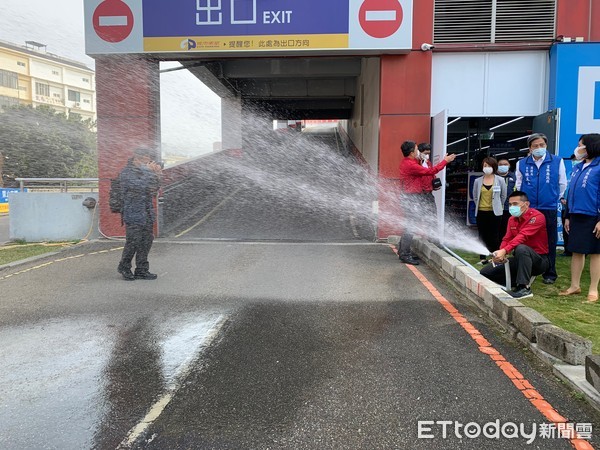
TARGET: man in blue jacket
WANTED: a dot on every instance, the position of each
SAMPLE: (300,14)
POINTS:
(542,177)
(139,184)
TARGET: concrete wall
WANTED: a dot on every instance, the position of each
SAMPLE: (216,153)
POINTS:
(52,216)
(363,127)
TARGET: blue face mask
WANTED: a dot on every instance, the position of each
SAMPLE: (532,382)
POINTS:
(539,152)
(515,211)
(502,169)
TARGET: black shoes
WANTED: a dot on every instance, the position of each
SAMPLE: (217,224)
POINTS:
(409,259)
(548,281)
(145,276)
(127,275)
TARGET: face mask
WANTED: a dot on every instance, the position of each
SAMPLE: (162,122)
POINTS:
(539,152)
(577,161)
(417,154)
(425,157)
(487,170)
(580,153)
(515,211)
(502,169)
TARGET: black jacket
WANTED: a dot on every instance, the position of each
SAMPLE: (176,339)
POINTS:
(139,185)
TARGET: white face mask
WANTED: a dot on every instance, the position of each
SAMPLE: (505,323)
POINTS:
(580,153)
(425,157)
(487,170)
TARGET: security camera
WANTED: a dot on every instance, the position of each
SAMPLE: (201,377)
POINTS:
(427,47)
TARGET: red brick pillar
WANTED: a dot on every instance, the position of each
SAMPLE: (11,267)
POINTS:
(404,112)
(128,105)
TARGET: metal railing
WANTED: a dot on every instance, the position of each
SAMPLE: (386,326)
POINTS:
(58,184)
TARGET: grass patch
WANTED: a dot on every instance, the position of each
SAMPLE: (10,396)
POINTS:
(12,253)
(566,312)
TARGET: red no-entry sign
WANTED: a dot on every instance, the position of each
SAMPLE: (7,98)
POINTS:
(380,18)
(113,20)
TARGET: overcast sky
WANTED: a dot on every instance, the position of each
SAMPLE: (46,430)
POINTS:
(190,112)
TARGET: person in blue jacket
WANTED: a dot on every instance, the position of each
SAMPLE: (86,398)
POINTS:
(140,181)
(543,178)
(583,220)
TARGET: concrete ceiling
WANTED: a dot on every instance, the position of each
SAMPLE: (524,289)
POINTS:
(303,88)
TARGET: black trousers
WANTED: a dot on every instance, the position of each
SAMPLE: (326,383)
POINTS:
(563,217)
(420,209)
(504,224)
(551,216)
(488,227)
(138,241)
(523,265)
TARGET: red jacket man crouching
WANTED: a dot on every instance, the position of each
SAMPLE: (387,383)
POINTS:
(525,235)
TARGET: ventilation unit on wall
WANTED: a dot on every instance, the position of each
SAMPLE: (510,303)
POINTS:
(76,104)
(494,21)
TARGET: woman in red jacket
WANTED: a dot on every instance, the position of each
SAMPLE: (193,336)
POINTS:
(415,200)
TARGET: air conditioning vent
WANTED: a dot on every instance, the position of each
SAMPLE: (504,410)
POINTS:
(490,21)
(518,20)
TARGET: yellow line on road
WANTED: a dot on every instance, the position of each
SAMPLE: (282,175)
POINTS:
(206,217)
(58,260)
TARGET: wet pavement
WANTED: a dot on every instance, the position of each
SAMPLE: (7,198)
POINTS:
(272,325)
(249,345)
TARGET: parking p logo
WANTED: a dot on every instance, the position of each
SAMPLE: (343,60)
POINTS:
(588,101)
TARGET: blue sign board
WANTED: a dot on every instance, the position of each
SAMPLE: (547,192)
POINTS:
(4,194)
(575,89)
(242,17)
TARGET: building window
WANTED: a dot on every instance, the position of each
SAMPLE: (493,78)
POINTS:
(9,79)
(55,72)
(42,89)
(7,102)
(19,63)
(491,21)
(74,96)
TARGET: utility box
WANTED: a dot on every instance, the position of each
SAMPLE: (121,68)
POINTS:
(53,216)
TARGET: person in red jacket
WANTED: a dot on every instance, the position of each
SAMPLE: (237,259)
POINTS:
(526,235)
(416,203)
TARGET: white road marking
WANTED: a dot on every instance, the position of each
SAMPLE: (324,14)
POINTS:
(380,16)
(112,21)
(171,389)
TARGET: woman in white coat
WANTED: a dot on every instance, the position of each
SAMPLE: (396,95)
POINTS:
(489,194)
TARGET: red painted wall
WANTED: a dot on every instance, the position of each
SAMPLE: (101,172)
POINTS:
(127,90)
(405,104)
(578,18)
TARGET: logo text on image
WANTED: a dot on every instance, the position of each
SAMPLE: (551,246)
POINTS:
(430,429)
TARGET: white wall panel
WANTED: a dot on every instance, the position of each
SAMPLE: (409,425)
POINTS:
(490,84)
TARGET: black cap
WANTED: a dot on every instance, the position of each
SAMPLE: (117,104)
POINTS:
(142,152)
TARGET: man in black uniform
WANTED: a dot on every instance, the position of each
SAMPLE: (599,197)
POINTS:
(139,184)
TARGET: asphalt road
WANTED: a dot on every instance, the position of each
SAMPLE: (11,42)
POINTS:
(274,324)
